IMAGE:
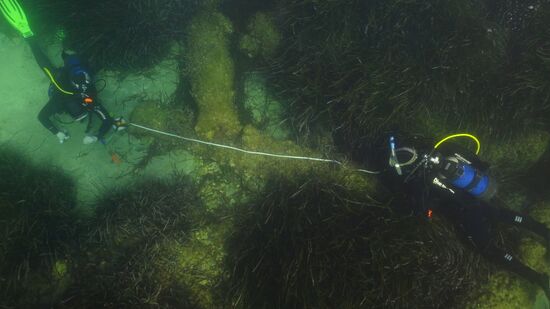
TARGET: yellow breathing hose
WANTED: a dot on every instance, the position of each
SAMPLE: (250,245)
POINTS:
(55,83)
(460,135)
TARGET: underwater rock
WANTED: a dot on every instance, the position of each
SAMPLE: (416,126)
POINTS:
(541,213)
(516,154)
(255,140)
(267,113)
(235,176)
(219,188)
(125,90)
(126,246)
(262,37)
(210,69)
(178,161)
(504,290)
(164,118)
(265,167)
(535,251)
(158,152)
(197,263)
(534,254)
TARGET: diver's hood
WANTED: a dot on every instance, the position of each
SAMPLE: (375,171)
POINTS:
(78,74)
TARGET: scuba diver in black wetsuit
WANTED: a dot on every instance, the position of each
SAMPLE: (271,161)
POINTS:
(72,91)
(454,182)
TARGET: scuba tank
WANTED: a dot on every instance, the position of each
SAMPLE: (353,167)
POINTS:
(463,175)
(449,170)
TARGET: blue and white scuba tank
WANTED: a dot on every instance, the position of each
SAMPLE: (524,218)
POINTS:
(463,175)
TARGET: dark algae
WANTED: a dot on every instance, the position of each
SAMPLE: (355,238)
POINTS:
(315,244)
(39,231)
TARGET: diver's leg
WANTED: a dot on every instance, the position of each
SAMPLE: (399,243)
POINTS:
(106,121)
(477,224)
(46,112)
(73,107)
(89,125)
(512,217)
(478,230)
(507,261)
(40,56)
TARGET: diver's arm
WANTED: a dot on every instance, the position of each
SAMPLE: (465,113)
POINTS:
(106,121)
(41,58)
(44,117)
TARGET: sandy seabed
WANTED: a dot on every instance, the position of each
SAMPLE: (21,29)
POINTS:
(23,93)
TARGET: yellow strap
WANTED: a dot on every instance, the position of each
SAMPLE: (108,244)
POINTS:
(460,135)
(55,83)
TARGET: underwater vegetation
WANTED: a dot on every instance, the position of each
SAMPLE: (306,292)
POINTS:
(530,84)
(262,38)
(167,118)
(317,244)
(313,235)
(116,34)
(126,256)
(518,154)
(161,117)
(151,244)
(514,14)
(210,70)
(38,229)
(503,290)
(422,67)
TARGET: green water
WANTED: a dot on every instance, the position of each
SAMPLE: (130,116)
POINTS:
(252,171)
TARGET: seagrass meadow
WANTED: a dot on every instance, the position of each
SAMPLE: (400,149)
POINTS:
(151,218)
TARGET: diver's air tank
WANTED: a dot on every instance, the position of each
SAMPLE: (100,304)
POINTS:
(461,174)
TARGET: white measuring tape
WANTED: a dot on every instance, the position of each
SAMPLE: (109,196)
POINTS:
(248,151)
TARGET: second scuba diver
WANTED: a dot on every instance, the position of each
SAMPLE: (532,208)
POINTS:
(71,91)
(454,182)
(72,88)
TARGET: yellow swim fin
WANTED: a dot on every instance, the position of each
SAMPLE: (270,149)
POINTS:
(14,14)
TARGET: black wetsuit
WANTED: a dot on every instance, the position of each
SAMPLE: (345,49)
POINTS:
(477,220)
(60,102)
(478,224)
(474,217)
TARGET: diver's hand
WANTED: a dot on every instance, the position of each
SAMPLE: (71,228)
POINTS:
(89,140)
(62,137)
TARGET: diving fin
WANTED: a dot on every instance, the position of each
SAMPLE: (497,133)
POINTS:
(14,14)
